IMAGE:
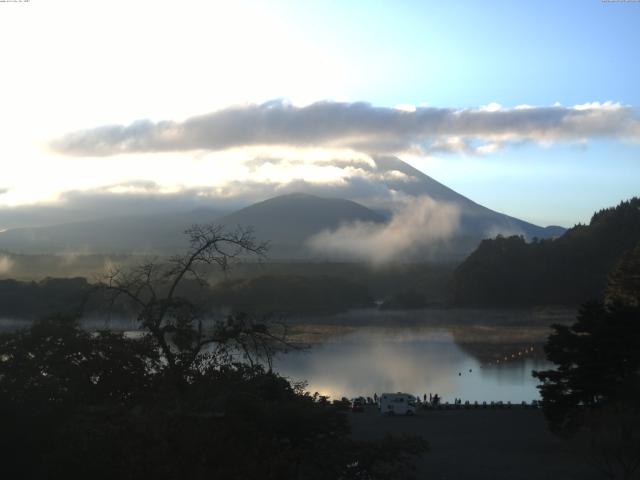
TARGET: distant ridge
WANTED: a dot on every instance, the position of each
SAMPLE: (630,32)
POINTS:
(158,233)
(287,221)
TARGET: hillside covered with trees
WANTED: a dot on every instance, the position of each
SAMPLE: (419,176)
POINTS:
(565,271)
(276,294)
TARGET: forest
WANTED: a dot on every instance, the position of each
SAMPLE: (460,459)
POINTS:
(568,270)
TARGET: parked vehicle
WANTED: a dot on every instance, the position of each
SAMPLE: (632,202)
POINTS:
(357,405)
(397,404)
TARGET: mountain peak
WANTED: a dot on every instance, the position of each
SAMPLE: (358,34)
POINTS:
(288,221)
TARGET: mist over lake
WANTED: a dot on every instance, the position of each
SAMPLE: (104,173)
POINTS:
(417,360)
(476,355)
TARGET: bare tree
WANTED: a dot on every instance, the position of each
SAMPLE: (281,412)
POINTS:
(154,290)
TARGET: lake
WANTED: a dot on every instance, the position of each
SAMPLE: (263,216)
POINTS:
(476,355)
(424,352)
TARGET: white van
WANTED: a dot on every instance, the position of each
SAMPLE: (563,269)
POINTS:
(397,404)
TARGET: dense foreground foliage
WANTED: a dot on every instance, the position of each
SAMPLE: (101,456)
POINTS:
(597,364)
(178,401)
(568,270)
(106,406)
(593,393)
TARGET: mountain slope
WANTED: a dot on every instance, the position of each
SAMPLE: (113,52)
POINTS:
(286,221)
(149,233)
(477,222)
(289,220)
(568,270)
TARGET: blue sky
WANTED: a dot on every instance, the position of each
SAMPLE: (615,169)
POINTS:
(470,53)
(78,65)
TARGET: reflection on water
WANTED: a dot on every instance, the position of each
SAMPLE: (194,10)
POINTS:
(474,355)
(413,359)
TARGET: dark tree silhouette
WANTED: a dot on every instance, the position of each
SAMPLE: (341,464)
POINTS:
(593,394)
(624,280)
(153,291)
(174,403)
(597,364)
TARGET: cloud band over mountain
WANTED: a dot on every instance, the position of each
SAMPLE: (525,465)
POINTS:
(360,126)
(420,222)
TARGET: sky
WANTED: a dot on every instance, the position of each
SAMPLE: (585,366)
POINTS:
(529,108)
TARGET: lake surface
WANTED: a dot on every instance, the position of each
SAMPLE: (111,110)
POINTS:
(471,362)
(475,355)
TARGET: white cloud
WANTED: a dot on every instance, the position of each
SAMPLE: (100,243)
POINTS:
(491,107)
(421,222)
(598,106)
(488,148)
(358,127)
(220,183)
(405,107)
